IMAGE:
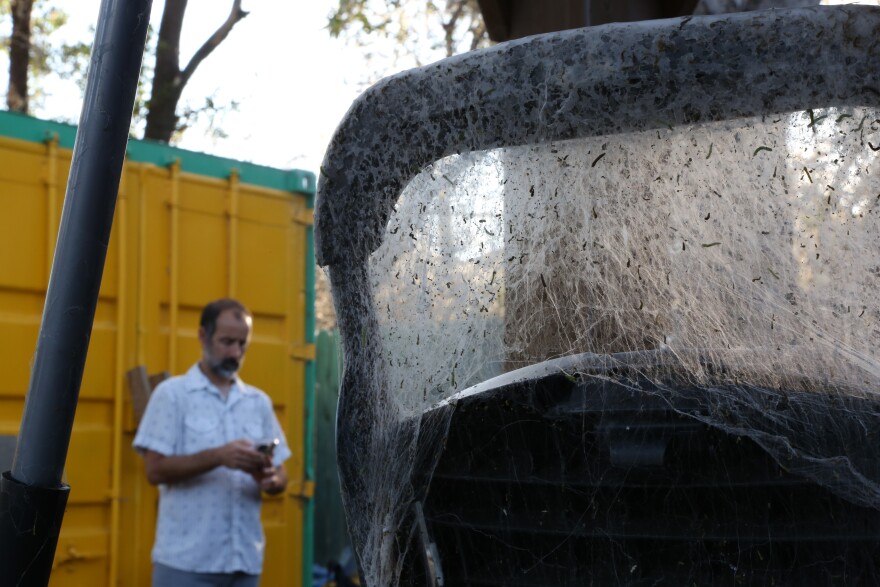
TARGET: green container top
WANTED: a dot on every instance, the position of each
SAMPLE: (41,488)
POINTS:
(28,128)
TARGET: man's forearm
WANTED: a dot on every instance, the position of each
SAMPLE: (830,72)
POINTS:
(173,469)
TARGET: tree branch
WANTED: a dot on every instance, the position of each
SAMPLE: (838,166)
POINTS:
(235,15)
(479,33)
(449,26)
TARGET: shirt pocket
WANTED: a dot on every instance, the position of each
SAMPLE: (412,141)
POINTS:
(250,423)
(253,431)
(201,432)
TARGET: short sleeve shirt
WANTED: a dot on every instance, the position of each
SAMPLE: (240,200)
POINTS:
(209,523)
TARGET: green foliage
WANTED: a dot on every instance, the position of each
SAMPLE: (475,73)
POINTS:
(66,60)
(69,61)
(351,13)
(409,32)
(210,111)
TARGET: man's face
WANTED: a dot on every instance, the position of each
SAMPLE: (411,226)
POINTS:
(224,352)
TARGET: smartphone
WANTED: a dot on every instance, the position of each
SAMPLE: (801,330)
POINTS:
(268,448)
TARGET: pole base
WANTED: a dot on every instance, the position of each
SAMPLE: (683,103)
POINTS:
(30,521)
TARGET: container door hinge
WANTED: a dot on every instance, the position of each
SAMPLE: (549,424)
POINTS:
(306,491)
(305,216)
(304,352)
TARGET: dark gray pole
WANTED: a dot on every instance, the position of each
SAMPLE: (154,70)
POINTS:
(83,238)
(32,498)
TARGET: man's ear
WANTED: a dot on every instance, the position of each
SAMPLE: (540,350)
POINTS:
(202,337)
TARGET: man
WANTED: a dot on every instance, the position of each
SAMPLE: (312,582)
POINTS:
(199,438)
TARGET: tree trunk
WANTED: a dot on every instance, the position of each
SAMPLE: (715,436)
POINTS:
(161,109)
(168,79)
(19,56)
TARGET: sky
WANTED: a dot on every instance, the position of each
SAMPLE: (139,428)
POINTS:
(292,81)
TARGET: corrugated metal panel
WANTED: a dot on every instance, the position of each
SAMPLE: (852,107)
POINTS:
(179,239)
(331,535)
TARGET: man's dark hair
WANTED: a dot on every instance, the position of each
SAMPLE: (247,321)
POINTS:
(211,311)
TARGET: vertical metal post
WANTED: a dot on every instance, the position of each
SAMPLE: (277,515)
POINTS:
(32,496)
(232,217)
(174,278)
(51,199)
(308,441)
(119,385)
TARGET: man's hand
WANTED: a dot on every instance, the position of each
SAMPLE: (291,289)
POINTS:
(238,454)
(241,454)
(272,480)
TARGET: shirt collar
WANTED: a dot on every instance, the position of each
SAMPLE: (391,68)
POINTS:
(195,380)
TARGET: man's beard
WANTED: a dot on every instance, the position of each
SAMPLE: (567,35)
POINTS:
(227,368)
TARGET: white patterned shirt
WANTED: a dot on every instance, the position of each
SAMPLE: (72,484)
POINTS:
(209,523)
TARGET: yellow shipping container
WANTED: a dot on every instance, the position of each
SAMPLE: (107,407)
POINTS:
(188,228)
